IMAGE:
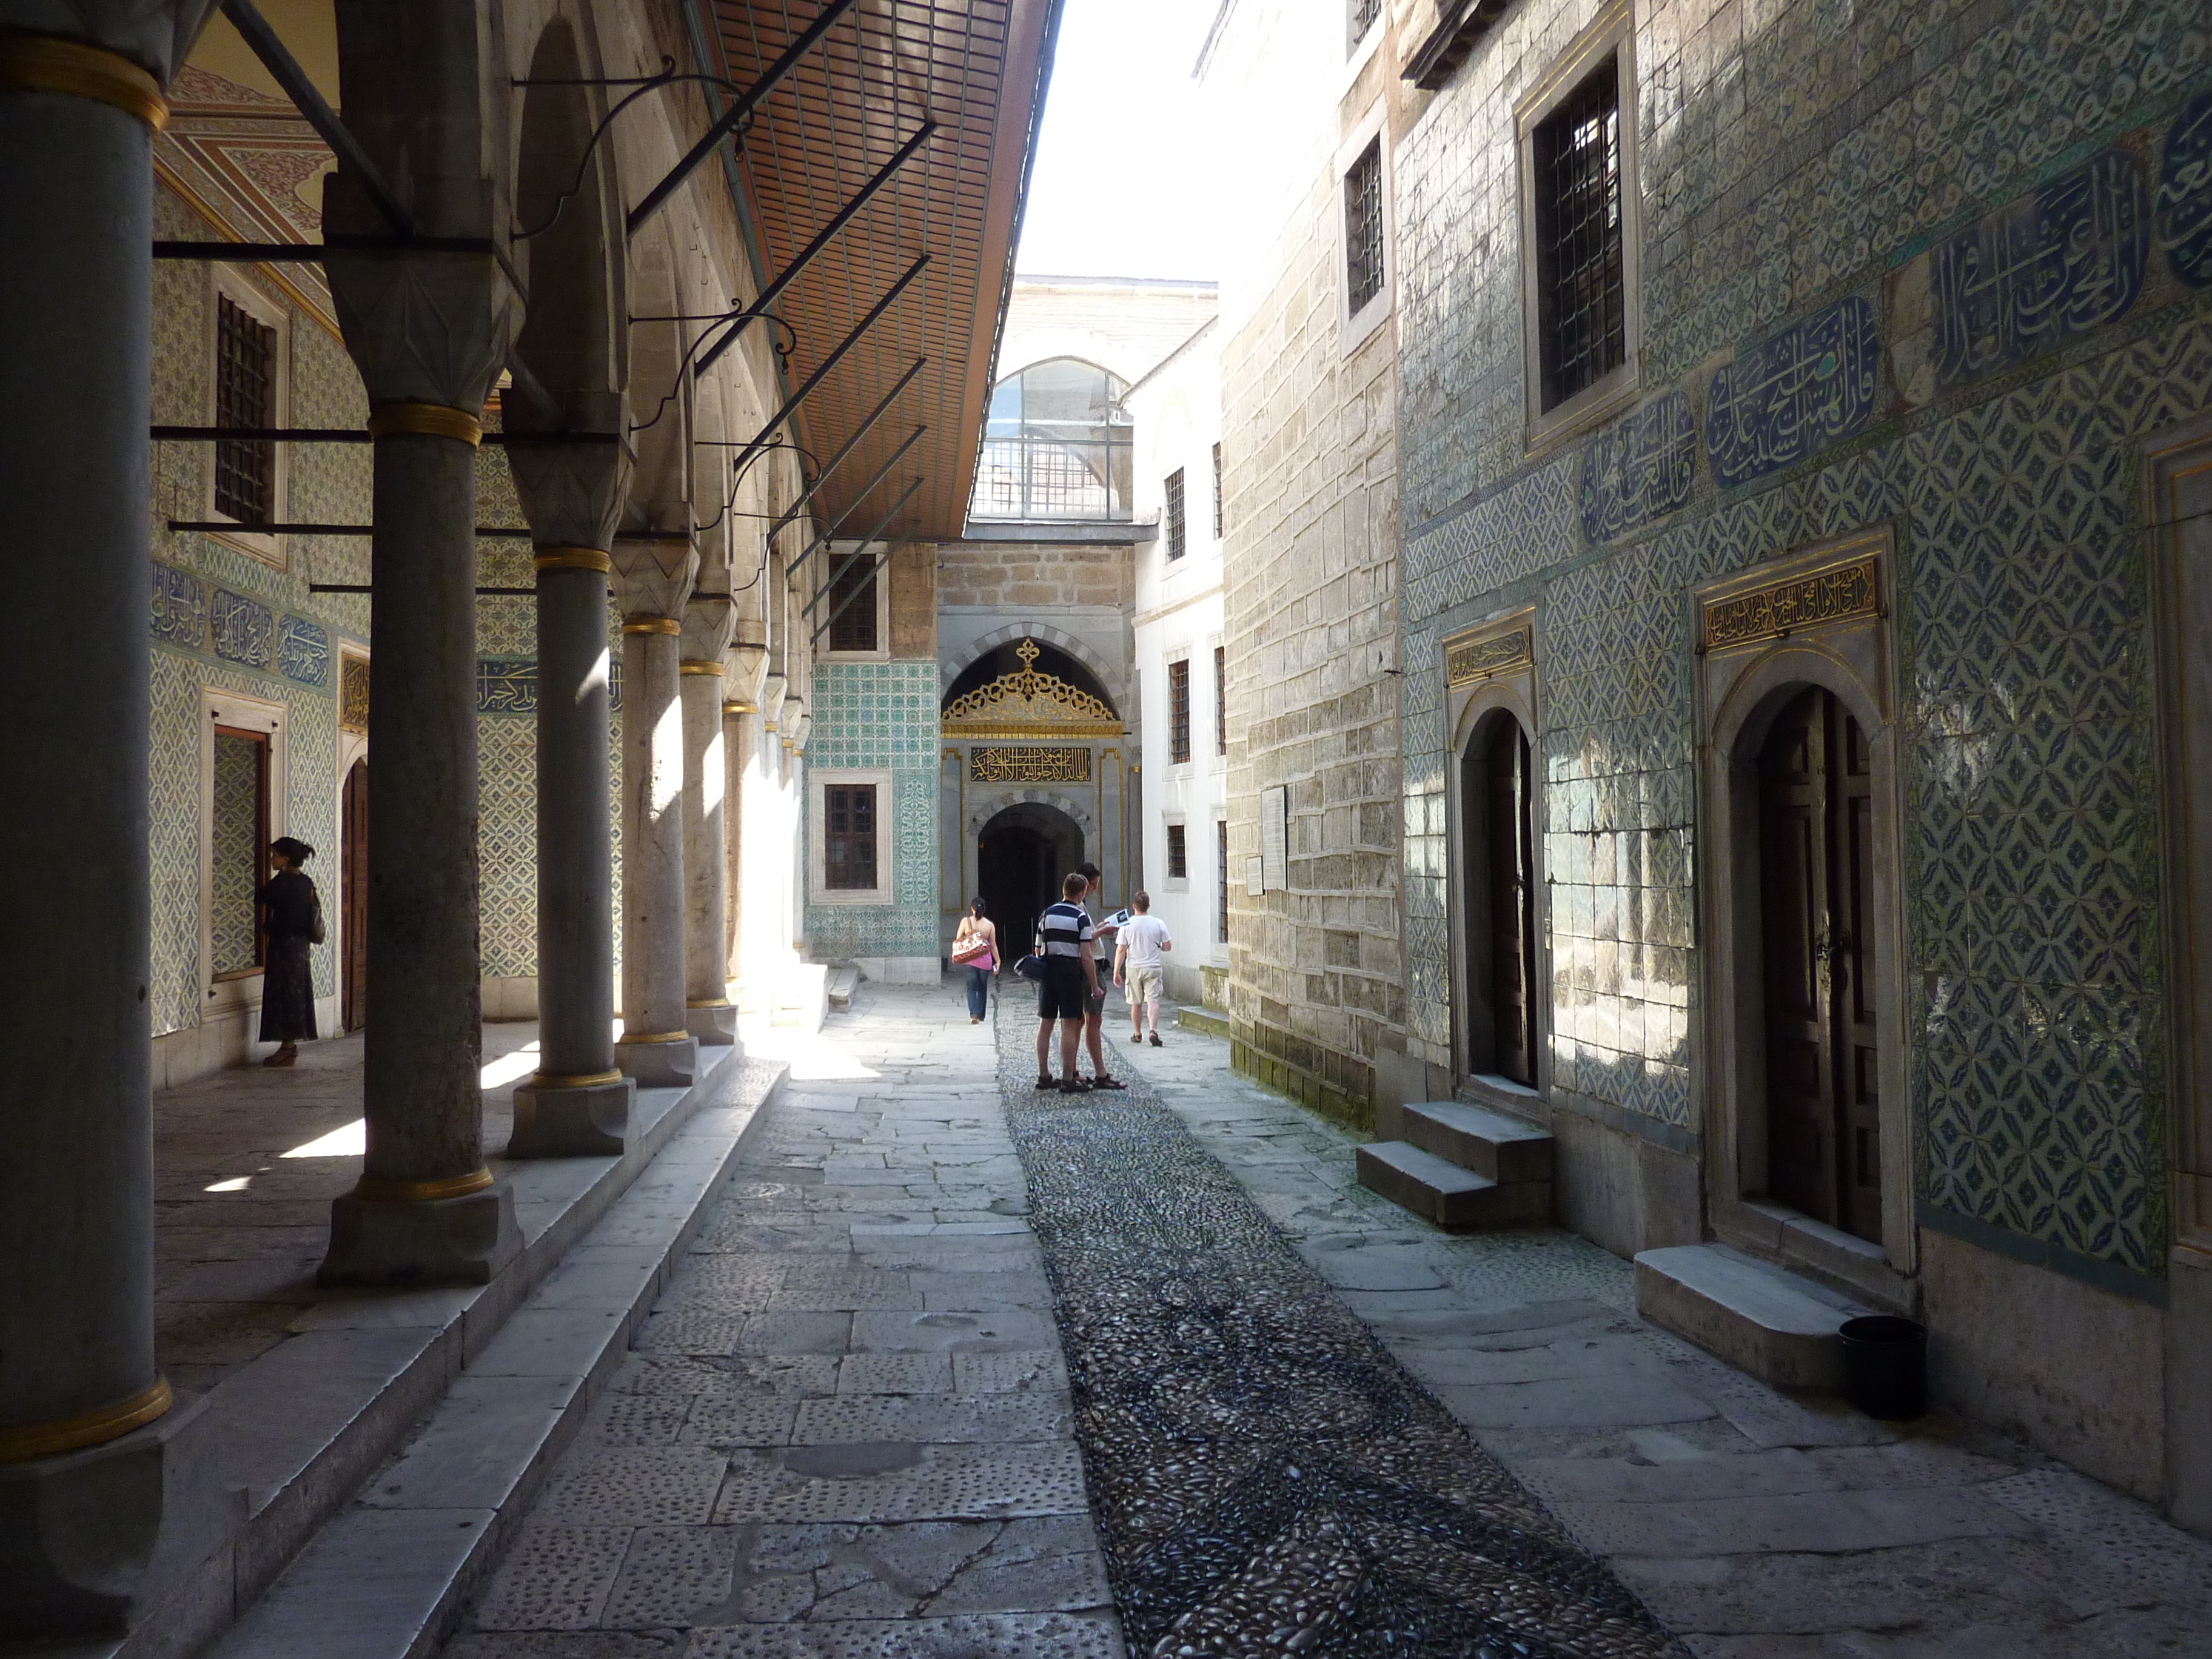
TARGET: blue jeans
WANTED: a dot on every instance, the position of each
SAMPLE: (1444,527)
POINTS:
(979,992)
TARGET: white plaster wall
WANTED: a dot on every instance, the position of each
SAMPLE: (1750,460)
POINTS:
(1126,324)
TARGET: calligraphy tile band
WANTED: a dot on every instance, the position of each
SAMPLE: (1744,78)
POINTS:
(1029,763)
(1838,594)
(1468,660)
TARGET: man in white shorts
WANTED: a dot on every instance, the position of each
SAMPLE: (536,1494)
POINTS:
(1144,939)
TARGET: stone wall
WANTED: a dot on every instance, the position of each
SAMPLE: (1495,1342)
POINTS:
(1316,986)
(1002,574)
(1810,234)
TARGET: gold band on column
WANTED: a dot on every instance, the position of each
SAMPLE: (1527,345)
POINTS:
(421,1192)
(739,706)
(424,421)
(573,1079)
(572,558)
(708,1002)
(86,1428)
(45,62)
(651,625)
(699,666)
(653,1037)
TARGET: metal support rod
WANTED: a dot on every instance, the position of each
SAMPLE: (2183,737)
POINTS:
(867,425)
(740,108)
(804,257)
(882,524)
(823,538)
(346,435)
(830,362)
(518,533)
(320,116)
(363,587)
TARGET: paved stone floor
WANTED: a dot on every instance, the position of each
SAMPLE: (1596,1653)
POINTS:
(850,1431)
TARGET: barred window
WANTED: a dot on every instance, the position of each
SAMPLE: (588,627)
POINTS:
(1363,226)
(1171,512)
(1178,853)
(849,836)
(853,606)
(1179,710)
(1361,18)
(1220,700)
(1580,294)
(1217,492)
(1221,879)
(1057,445)
(245,395)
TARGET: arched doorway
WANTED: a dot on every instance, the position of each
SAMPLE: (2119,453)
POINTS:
(1816,903)
(1499,905)
(1022,856)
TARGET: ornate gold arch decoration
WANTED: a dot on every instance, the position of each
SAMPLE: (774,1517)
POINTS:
(1029,704)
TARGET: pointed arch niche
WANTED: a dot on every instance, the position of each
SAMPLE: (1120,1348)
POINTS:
(1798,762)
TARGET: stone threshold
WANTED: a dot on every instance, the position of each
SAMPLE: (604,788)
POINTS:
(304,1424)
(385,1578)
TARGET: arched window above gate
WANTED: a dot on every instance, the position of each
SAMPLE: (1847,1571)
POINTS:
(1057,446)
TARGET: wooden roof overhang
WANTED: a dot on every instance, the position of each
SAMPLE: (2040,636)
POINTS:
(976,68)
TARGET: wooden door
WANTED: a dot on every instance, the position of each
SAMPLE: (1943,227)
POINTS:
(1511,906)
(353,904)
(1823,1145)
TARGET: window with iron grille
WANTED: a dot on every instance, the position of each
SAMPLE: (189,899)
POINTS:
(1217,492)
(1221,879)
(1220,700)
(1179,710)
(245,395)
(1361,18)
(853,606)
(1178,853)
(1171,511)
(1581,293)
(1363,227)
(1057,444)
(848,840)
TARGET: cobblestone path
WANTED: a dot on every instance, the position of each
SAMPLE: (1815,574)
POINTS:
(1266,1477)
(845,1432)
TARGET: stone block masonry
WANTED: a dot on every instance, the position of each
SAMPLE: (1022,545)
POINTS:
(1041,573)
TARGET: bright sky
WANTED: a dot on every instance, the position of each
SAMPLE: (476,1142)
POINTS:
(1116,191)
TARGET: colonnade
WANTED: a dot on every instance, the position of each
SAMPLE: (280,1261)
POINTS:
(97,1457)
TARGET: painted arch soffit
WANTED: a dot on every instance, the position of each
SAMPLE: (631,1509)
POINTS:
(1030,703)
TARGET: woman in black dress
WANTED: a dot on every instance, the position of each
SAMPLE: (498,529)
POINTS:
(292,914)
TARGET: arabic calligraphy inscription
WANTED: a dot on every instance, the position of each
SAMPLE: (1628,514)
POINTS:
(2184,193)
(1836,594)
(1468,660)
(1794,394)
(507,685)
(1640,471)
(2058,262)
(1029,763)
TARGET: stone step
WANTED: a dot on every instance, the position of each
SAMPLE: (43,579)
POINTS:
(1445,1193)
(1779,1328)
(1506,1149)
(1203,1021)
(840,987)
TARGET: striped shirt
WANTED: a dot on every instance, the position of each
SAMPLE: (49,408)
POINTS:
(1065,928)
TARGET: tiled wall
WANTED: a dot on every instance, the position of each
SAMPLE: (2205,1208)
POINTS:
(882,715)
(1818,188)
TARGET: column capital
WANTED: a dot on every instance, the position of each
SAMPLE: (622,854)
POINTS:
(774,685)
(572,492)
(155,37)
(708,620)
(654,572)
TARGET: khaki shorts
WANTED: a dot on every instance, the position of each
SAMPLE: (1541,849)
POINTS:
(1144,984)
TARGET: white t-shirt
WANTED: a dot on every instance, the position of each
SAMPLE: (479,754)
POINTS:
(1143,936)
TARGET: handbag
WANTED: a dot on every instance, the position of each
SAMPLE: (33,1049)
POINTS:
(316,931)
(965,951)
(1030,967)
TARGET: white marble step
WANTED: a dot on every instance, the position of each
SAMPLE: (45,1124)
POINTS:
(1757,1317)
(841,985)
(1445,1193)
(1506,1149)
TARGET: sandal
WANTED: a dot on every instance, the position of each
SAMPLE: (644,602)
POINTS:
(1107,1083)
(1048,1081)
(1075,1086)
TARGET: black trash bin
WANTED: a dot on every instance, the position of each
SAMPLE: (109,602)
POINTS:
(1886,1365)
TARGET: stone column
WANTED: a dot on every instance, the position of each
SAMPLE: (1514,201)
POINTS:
(707,1013)
(95,1459)
(430,333)
(577,1103)
(747,658)
(654,575)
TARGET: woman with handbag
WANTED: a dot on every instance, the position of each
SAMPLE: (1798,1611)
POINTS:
(975,947)
(292,917)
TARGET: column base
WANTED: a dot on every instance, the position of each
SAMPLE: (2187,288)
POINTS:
(717,1023)
(590,1121)
(440,1241)
(664,1063)
(90,1539)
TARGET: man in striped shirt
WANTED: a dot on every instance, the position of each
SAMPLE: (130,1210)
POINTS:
(1064,937)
